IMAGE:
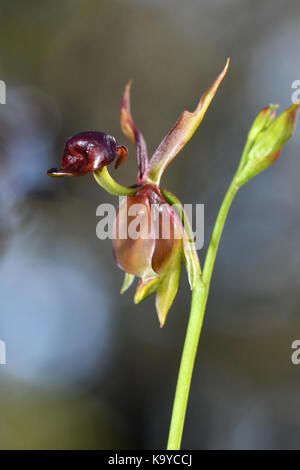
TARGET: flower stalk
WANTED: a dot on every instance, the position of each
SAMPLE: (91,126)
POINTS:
(199,299)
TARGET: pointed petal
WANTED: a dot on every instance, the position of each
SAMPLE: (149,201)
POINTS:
(132,132)
(191,259)
(128,280)
(167,289)
(145,288)
(181,132)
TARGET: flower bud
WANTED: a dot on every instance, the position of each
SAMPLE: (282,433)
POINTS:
(265,140)
(262,121)
(87,152)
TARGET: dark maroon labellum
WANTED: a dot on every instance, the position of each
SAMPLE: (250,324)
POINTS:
(87,152)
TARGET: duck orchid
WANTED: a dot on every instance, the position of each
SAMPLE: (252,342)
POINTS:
(155,251)
(152,256)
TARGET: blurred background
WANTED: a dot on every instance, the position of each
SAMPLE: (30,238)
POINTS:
(86,369)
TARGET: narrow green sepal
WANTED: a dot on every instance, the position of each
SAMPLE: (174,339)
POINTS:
(145,288)
(167,289)
(128,280)
(191,259)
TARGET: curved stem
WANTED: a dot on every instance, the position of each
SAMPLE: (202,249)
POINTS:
(199,300)
(104,179)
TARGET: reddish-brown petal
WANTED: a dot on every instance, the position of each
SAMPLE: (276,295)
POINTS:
(133,133)
(122,154)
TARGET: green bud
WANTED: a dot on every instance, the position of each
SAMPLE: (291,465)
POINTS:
(265,141)
(262,121)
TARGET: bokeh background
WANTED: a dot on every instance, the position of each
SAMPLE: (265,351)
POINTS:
(86,369)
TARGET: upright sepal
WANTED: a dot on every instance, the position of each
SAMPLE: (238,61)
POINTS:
(132,132)
(181,132)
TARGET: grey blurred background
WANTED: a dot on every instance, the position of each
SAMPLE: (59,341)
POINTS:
(85,367)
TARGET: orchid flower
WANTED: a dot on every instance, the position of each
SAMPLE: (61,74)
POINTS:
(154,258)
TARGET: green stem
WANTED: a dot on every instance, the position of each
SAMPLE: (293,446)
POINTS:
(104,179)
(199,300)
(217,232)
